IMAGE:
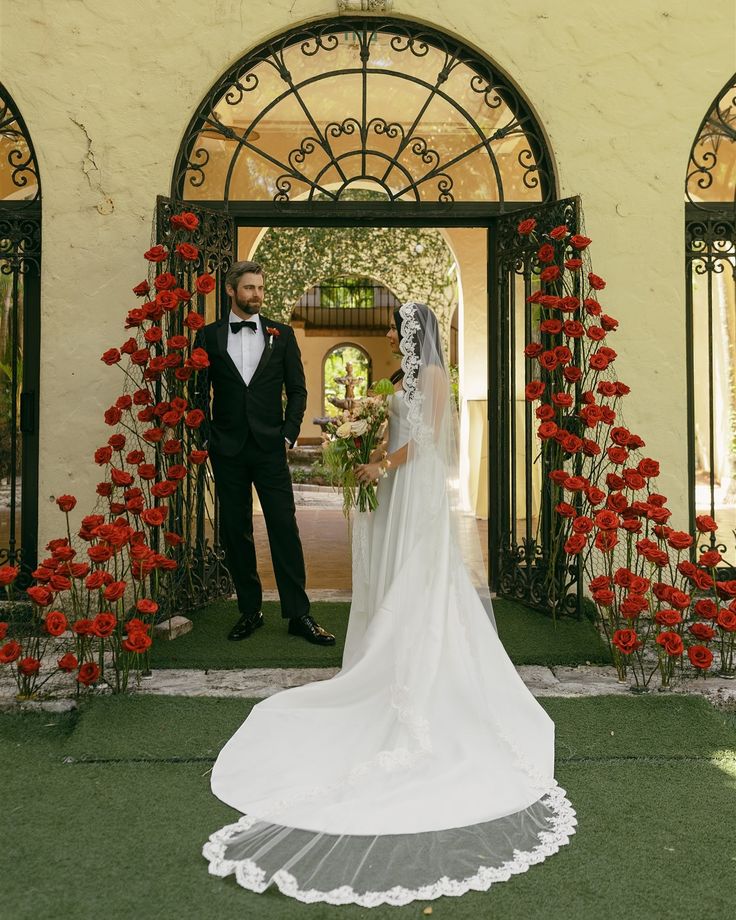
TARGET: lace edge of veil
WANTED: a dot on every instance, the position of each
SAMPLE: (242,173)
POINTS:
(249,875)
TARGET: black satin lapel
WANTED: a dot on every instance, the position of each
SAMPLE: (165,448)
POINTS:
(265,355)
(222,331)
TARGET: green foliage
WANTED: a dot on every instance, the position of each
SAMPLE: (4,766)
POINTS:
(413,263)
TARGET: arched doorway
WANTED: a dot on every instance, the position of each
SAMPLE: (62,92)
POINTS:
(710,253)
(300,124)
(20,316)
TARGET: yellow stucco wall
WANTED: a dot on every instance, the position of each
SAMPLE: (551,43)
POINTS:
(107,90)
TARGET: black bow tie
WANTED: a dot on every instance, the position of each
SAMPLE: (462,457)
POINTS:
(251,324)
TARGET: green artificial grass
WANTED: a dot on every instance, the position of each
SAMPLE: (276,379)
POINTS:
(122,837)
(530,637)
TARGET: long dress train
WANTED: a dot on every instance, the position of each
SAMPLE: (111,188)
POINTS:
(425,767)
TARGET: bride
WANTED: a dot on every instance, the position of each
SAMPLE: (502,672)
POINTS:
(424,767)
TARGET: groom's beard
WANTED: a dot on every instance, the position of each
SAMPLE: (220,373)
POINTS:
(250,305)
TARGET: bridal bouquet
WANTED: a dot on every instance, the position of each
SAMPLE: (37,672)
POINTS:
(351,440)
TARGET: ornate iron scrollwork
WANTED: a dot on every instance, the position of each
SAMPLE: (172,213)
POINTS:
(414,168)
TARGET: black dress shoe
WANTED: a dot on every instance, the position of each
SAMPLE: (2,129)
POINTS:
(309,629)
(247,623)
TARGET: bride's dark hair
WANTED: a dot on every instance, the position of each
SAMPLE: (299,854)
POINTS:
(427,325)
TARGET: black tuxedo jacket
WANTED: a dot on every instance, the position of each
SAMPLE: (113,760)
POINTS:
(256,410)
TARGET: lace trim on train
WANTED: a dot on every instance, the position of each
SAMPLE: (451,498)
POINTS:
(249,875)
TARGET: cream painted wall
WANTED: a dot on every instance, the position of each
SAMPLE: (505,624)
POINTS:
(107,91)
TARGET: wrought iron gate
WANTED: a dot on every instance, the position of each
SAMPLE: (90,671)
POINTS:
(202,576)
(20,313)
(522,516)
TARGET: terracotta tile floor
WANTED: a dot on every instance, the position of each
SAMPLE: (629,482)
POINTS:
(326,542)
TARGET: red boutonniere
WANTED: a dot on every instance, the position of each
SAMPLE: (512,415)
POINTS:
(273,332)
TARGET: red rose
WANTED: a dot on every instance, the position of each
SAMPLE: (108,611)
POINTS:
(8,574)
(607,520)
(606,540)
(40,595)
(120,477)
(563,400)
(565,510)
(575,483)
(573,264)
(600,581)
(604,597)
(700,657)
(609,323)
(711,558)
(199,358)
(534,389)
(171,447)
(194,418)
(550,273)
(626,640)
(678,539)
(172,539)
(188,252)
(726,619)
(154,517)
(67,663)
(546,253)
(140,290)
(702,631)
(548,360)
(705,524)
(3,629)
(551,326)
(116,441)
(89,673)
(55,623)
(103,625)
(526,226)
(633,479)
(598,362)
(595,282)
(146,607)
(113,415)
(176,472)
(10,652)
(28,666)
(204,284)
(167,300)
(110,357)
(198,456)
(582,524)
(648,467)
(156,254)
(573,328)
(572,374)
(104,489)
(575,544)
(633,604)
(194,321)
(595,333)
(579,242)
(547,430)
(671,643)
(679,599)
(147,471)
(184,221)
(595,495)
(177,342)
(559,232)
(165,282)
(137,642)
(153,435)
(617,455)
(164,489)
(114,591)
(668,617)
(563,354)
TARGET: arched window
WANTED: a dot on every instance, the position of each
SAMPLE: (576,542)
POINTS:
(20,267)
(346,375)
(710,242)
(382,104)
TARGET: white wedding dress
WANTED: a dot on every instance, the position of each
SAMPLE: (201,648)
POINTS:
(425,767)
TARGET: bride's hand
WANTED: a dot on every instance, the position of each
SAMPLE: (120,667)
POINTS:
(367,472)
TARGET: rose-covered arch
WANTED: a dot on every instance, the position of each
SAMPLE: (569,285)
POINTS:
(659,594)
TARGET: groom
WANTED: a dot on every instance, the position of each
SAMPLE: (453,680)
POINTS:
(252,360)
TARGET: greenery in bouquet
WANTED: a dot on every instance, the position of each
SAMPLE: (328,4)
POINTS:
(352,440)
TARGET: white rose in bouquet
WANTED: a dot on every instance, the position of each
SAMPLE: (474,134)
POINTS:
(359,428)
(345,430)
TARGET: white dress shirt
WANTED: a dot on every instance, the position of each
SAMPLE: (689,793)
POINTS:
(246,347)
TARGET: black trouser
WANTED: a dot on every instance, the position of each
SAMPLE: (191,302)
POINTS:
(268,471)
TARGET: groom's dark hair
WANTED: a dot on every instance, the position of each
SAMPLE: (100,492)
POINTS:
(243,268)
